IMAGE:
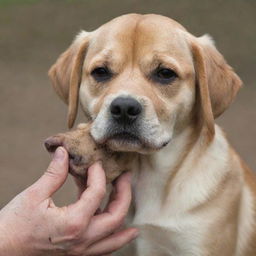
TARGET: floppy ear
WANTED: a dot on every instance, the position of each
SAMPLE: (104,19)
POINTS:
(217,83)
(66,74)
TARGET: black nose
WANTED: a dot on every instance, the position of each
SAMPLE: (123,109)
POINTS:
(125,109)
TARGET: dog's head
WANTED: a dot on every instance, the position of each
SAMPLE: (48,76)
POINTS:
(142,79)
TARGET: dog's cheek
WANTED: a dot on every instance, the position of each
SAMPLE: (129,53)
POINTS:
(87,101)
(181,107)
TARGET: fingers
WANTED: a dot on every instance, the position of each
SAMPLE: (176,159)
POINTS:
(81,185)
(54,177)
(121,199)
(113,242)
(104,224)
(91,198)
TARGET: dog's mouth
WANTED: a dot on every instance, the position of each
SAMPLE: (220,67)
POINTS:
(123,141)
(125,137)
(131,142)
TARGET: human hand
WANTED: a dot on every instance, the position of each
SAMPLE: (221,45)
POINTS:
(31,224)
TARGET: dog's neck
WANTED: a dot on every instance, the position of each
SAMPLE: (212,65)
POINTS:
(156,169)
(153,180)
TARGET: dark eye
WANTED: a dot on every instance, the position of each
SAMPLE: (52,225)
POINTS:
(165,75)
(101,74)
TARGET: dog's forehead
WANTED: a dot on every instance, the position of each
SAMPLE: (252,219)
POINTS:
(137,35)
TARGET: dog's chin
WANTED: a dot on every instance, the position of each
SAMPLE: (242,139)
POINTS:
(124,145)
(131,143)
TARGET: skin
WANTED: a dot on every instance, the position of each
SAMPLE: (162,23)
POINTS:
(31,224)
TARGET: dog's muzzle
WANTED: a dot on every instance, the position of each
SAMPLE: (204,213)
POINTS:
(126,123)
(124,119)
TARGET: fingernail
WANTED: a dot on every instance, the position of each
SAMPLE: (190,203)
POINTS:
(59,154)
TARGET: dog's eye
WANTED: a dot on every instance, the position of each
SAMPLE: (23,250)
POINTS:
(101,74)
(165,75)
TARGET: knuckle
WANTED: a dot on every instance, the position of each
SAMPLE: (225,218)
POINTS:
(117,221)
(74,230)
(100,192)
(77,250)
(121,215)
(52,172)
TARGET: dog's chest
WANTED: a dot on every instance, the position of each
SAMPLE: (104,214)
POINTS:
(163,229)
(163,205)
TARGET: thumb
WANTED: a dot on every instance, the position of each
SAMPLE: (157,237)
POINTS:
(55,175)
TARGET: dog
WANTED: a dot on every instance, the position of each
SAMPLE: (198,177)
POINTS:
(150,87)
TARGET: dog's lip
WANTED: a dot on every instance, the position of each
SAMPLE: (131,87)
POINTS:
(125,136)
(131,138)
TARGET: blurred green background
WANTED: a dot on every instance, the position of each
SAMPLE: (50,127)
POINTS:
(32,35)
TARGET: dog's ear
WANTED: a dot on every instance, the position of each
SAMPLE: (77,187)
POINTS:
(217,83)
(66,74)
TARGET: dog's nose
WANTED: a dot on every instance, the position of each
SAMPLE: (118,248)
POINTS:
(125,109)
(52,143)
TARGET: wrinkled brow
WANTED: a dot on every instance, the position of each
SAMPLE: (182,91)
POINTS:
(161,60)
(103,58)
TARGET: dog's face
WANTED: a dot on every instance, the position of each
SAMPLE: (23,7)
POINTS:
(142,79)
(137,83)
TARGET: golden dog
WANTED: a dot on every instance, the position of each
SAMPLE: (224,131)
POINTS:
(149,86)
